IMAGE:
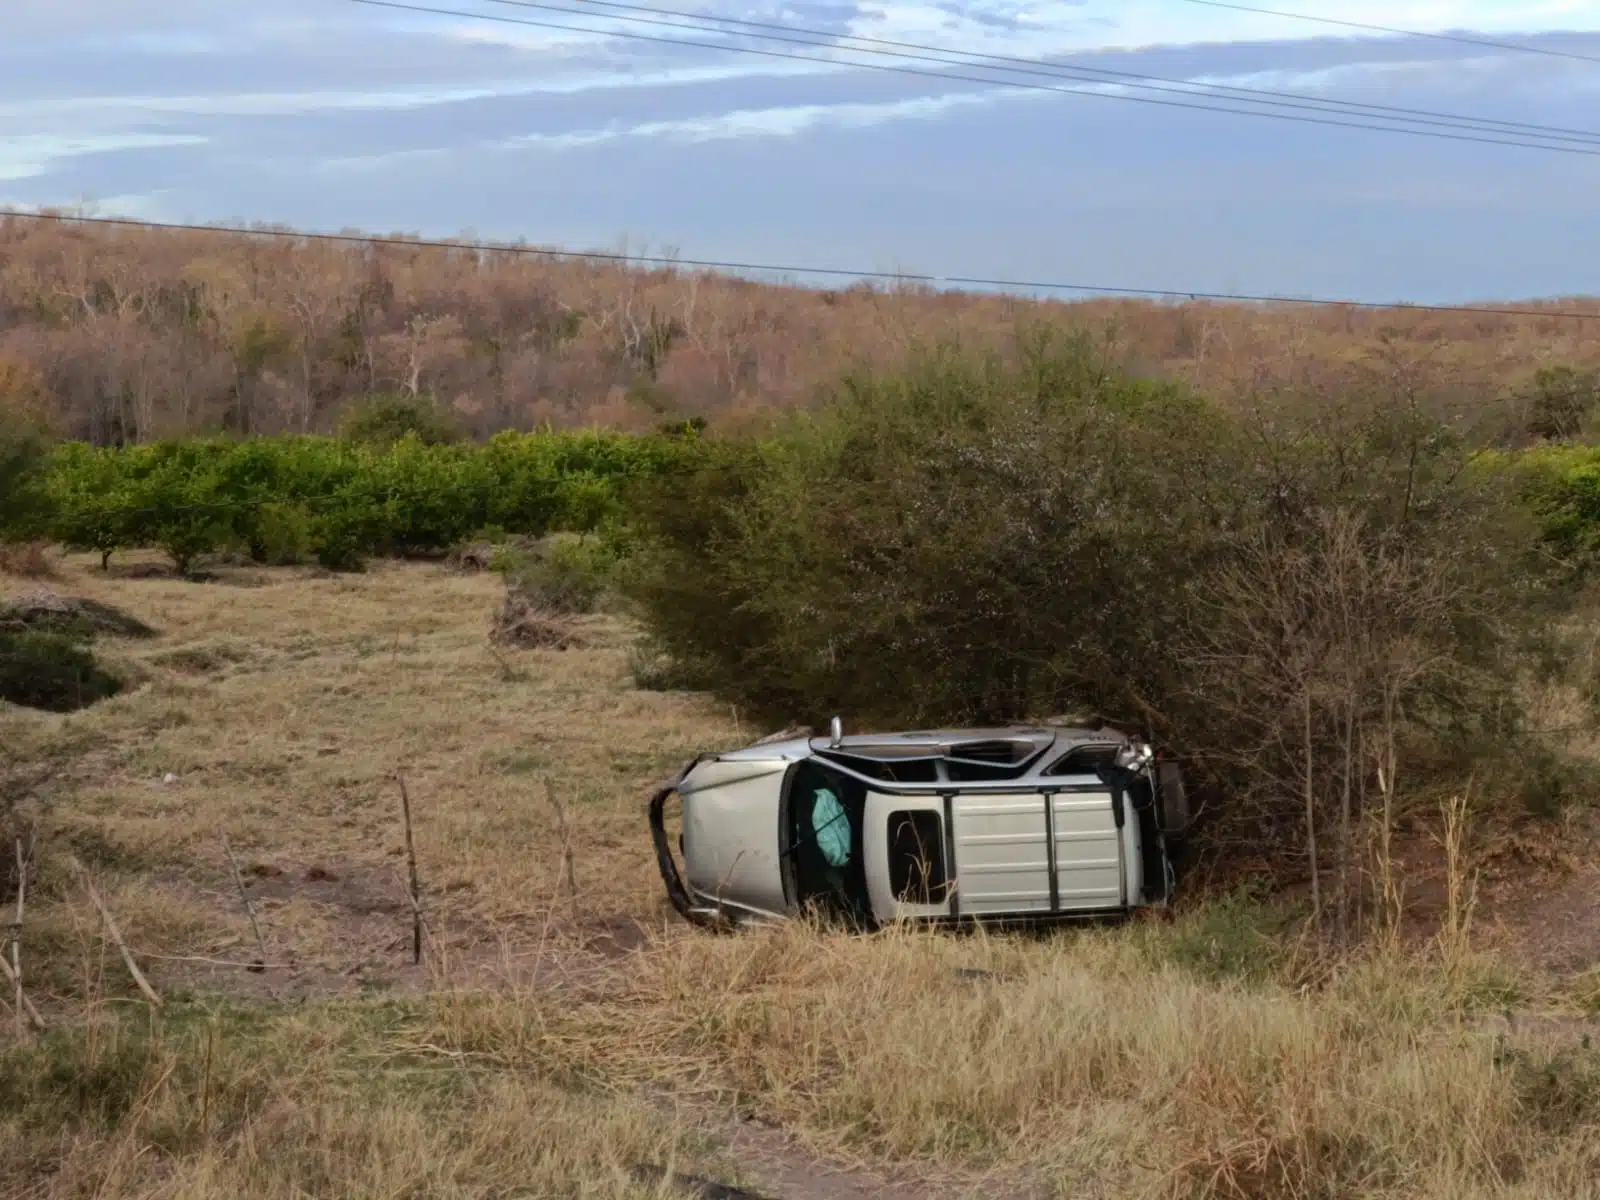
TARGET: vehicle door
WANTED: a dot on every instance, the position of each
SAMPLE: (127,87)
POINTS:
(1002,852)
(1089,862)
(1041,851)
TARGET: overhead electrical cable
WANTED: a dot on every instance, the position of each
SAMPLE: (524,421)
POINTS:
(674,262)
(1586,149)
(1458,38)
(1034,66)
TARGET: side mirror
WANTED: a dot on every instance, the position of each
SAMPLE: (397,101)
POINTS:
(835,733)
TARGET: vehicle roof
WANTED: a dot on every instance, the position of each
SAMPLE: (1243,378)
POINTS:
(1029,741)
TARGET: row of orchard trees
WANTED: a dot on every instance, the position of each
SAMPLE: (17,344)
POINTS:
(338,501)
(304,498)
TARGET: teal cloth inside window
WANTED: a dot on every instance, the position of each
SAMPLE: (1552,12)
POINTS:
(832,826)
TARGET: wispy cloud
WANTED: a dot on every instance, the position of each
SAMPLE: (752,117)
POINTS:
(28,157)
(781,122)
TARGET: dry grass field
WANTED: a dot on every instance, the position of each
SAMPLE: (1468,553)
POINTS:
(555,1040)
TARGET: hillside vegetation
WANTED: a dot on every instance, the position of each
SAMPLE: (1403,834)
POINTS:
(131,335)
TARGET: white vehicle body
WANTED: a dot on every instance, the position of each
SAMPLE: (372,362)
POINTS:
(1023,824)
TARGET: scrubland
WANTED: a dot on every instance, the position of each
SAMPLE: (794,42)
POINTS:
(288,548)
(136,335)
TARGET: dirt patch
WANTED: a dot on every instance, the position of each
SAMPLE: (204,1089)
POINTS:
(611,937)
(358,891)
(142,570)
(1552,923)
(1535,896)
(780,1168)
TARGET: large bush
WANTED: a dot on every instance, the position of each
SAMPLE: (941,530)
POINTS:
(1306,600)
(972,540)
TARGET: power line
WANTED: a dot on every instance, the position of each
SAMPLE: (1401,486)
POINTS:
(948,76)
(1580,135)
(1031,66)
(1460,39)
(674,263)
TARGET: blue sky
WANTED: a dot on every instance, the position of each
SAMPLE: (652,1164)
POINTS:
(326,114)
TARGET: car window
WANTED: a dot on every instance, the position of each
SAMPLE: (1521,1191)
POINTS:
(832,827)
(916,857)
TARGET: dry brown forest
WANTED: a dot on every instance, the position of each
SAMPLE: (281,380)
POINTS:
(128,334)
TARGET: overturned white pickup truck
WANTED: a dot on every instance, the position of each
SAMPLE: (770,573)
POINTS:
(1008,825)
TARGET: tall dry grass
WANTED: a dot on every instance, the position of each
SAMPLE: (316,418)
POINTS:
(1218,1057)
(1102,1063)
(1097,1061)
(329,1101)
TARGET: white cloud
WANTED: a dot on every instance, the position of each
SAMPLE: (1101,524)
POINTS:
(241,104)
(27,157)
(784,121)
(117,110)
(791,120)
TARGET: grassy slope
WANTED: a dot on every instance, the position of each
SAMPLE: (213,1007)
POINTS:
(1208,1058)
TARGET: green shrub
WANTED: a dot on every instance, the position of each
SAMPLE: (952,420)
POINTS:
(94,508)
(283,534)
(386,418)
(1561,484)
(434,497)
(51,671)
(183,504)
(962,541)
(1239,936)
(563,576)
